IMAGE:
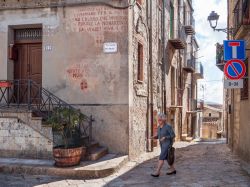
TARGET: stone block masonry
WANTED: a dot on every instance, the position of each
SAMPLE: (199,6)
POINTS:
(20,140)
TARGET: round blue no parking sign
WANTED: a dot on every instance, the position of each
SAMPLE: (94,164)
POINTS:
(235,69)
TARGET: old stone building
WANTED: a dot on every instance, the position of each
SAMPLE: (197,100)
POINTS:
(119,61)
(212,126)
(236,101)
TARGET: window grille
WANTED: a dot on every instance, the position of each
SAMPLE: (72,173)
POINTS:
(28,34)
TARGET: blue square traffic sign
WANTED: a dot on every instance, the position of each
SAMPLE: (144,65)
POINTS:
(234,49)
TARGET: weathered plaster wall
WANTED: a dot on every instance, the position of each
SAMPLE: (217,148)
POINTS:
(238,130)
(209,131)
(75,66)
(244,119)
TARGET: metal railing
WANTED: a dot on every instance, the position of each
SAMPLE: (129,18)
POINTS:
(219,54)
(194,104)
(179,32)
(199,68)
(190,21)
(26,94)
(190,62)
(241,14)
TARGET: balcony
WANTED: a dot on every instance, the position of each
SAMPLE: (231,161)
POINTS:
(220,56)
(193,109)
(241,19)
(189,64)
(178,37)
(194,104)
(198,70)
(189,25)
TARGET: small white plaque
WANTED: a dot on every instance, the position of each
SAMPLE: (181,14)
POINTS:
(110,47)
(231,84)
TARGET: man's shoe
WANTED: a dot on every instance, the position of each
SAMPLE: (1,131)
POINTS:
(154,175)
(172,172)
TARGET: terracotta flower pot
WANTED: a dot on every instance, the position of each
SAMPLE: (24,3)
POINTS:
(67,157)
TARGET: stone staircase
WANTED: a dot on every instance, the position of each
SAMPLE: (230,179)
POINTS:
(23,135)
(185,137)
(95,151)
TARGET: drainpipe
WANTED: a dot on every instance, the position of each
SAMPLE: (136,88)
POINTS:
(164,62)
(151,74)
(149,128)
(180,74)
(148,108)
(227,94)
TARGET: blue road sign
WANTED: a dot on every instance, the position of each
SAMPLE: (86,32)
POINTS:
(234,49)
(235,69)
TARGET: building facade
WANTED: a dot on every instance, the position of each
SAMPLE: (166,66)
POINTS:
(212,126)
(119,61)
(236,101)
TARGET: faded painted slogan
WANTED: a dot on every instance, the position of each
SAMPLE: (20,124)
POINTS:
(98,19)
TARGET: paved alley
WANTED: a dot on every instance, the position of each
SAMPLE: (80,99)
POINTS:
(198,165)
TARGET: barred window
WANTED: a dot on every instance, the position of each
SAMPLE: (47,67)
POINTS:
(244,90)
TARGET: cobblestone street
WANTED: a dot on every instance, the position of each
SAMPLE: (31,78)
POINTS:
(197,165)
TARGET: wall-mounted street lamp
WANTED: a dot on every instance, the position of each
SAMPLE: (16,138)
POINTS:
(213,20)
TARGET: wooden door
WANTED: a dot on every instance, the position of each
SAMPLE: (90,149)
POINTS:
(28,66)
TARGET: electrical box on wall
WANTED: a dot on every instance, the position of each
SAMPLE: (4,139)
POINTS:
(12,52)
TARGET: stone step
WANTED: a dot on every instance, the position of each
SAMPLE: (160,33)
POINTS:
(94,144)
(104,167)
(189,139)
(183,137)
(97,152)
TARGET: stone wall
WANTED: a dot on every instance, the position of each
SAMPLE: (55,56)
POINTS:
(209,131)
(238,122)
(18,139)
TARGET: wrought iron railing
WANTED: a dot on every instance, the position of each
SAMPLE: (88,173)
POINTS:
(179,32)
(194,104)
(189,19)
(241,14)
(190,62)
(26,94)
(199,69)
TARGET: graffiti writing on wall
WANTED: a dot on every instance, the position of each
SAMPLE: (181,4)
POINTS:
(87,76)
(98,19)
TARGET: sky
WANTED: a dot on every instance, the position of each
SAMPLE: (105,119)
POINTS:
(210,88)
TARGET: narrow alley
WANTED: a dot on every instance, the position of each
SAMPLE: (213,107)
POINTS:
(204,164)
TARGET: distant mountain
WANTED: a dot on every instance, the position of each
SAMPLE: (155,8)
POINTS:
(213,104)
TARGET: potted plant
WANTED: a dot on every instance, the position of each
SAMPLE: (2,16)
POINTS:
(65,122)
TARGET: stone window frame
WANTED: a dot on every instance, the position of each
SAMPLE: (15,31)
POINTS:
(140,62)
(244,91)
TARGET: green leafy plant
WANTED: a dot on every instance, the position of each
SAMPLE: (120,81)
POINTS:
(66,122)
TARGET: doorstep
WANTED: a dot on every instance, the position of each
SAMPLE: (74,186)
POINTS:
(103,167)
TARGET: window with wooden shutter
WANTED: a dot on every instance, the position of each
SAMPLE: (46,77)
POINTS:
(244,90)
(140,62)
